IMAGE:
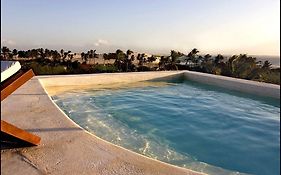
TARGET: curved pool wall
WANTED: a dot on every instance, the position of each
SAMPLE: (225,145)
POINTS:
(191,122)
(61,83)
(65,148)
(247,86)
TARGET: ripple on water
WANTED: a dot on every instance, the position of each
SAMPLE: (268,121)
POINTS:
(191,125)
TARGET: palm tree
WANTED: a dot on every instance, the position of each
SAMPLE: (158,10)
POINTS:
(47,53)
(174,59)
(5,51)
(138,58)
(61,53)
(120,59)
(241,66)
(92,55)
(163,62)
(82,56)
(40,56)
(191,56)
(132,65)
(66,54)
(207,57)
(129,52)
(218,59)
(15,52)
(86,57)
(109,56)
(56,56)
(22,54)
(105,57)
(266,65)
(142,60)
(34,53)
(151,59)
(70,56)
(129,60)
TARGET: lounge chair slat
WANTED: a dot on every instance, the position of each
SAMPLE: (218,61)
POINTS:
(19,133)
(15,82)
(8,86)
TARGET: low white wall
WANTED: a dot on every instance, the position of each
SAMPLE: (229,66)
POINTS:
(104,78)
(252,87)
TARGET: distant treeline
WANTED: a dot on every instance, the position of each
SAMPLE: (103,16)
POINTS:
(45,61)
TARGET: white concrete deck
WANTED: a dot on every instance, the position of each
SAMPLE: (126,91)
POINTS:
(68,149)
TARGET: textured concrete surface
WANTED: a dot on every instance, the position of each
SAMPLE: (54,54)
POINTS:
(65,148)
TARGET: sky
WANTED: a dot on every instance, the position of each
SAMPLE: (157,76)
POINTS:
(151,26)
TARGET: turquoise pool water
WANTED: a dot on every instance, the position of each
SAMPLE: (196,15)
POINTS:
(188,124)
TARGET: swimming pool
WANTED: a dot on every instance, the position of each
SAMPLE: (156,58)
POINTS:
(193,125)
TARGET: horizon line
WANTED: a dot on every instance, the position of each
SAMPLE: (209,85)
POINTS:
(151,53)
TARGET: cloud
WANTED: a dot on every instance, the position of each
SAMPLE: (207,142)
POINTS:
(7,42)
(101,42)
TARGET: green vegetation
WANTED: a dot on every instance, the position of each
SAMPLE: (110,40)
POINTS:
(49,62)
(46,69)
(100,68)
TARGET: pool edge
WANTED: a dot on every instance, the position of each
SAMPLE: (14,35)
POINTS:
(242,85)
(120,147)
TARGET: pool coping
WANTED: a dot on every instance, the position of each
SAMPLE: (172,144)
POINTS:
(66,148)
(242,85)
(36,103)
(132,152)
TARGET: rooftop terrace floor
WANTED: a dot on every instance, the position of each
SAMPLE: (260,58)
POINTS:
(65,147)
(68,149)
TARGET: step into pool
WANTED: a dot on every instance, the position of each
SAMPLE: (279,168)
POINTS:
(184,123)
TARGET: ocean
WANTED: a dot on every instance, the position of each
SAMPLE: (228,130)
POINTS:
(274,60)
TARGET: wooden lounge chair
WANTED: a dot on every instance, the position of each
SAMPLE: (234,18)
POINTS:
(11,79)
